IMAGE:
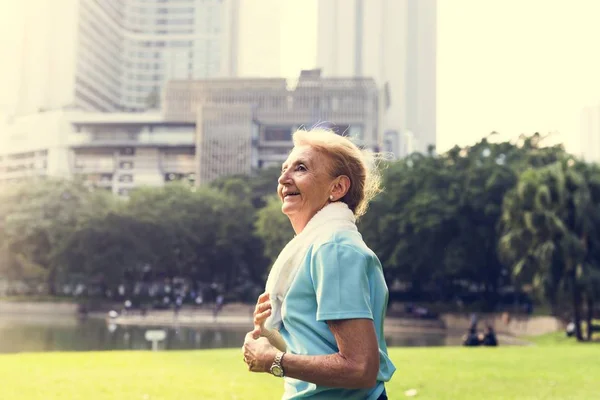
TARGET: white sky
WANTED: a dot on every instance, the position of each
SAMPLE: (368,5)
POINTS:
(516,66)
(512,66)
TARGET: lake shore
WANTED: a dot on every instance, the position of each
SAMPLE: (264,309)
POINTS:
(240,315)
(392,325)
(240,318)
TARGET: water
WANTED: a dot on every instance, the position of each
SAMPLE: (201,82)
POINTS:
(65,333)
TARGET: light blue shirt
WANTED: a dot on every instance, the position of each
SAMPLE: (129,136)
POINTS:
(340,278)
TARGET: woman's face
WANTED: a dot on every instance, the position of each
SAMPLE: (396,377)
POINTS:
(305,185)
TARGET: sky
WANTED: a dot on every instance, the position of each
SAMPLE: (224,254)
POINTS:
(516,66)
(511,66)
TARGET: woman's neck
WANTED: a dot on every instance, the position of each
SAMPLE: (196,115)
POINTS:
(298,222)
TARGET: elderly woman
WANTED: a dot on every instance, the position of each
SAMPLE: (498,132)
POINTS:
(319,325)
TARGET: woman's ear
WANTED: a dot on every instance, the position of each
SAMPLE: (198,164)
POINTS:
(340,187)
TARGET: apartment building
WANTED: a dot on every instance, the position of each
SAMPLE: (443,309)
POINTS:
(116,151)
(242,124)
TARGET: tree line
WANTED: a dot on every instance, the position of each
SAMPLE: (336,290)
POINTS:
(466,225)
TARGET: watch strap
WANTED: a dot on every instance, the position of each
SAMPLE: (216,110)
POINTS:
(277,364)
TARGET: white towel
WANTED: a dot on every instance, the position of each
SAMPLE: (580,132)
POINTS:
(330,219)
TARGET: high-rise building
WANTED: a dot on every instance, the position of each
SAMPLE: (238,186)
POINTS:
(393,41)
(590,133)
(117,55)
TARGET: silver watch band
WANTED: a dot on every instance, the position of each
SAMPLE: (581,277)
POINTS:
(277,367)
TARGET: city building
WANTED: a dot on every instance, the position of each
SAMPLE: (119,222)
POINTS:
(393,41)
(114,151)
(208,129)
(242,124)
(398,144)
(590,133)
(111,56)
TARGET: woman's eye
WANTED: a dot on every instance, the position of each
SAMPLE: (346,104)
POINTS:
(300,168)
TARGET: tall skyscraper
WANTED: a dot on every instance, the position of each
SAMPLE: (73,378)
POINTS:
(259,51)
(590,133)
(393,41)
(117,55)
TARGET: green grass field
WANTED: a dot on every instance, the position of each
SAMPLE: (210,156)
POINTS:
(532,372)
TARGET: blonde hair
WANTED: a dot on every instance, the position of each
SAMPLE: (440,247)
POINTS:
(346,159)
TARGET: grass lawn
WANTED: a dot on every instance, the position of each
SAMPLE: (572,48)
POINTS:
(533,372)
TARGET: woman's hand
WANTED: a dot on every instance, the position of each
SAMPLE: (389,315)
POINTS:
(259,354)
(262,311)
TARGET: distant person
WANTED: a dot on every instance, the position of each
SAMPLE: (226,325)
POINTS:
(218,306)
(489,337)
(471,338)
(199,300)
(327,342)
(128,305)
(474,321)
(570,330)
(178,305)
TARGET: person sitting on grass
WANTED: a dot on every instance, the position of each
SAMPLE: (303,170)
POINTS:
(471,338)
(489,337)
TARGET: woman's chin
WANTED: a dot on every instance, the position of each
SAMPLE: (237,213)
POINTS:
(288,209)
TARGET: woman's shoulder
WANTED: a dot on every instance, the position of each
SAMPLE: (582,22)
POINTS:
(347,240)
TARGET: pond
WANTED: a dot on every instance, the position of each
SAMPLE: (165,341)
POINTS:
(28,333)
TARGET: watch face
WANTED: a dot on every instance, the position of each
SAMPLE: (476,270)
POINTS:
(276,370)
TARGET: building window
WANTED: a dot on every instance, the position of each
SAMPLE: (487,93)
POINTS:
(173,177)
(126,165)
(342,130)
(278,134)
(126,178)
(127,151)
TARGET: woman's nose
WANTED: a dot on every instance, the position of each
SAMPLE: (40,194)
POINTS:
(283,178)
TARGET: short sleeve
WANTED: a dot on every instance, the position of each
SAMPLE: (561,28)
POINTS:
(341,284)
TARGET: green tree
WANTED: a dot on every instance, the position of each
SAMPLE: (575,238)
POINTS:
(434,226)
(274,228)
(106,249)
(548,224)
(36,217)
(259,185)
(209,231)
(591,264)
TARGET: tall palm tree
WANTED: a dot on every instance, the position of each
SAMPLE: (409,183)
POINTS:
(546,224)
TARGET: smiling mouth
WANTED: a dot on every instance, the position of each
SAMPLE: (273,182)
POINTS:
(290,194)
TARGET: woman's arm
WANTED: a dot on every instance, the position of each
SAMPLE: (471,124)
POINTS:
(275,338)
(354,366)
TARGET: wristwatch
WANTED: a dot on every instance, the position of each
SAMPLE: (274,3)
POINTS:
(276,368)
